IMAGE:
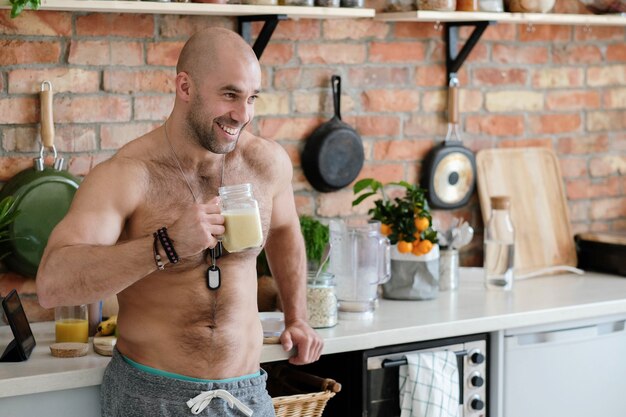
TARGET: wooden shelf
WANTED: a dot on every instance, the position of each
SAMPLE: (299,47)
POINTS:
(295,12)
(520,18)
(156,7)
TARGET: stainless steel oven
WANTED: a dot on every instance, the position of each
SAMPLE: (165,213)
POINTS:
(380,392)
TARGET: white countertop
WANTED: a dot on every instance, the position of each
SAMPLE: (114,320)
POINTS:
(470,309)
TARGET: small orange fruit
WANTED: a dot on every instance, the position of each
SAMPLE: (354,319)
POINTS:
(404,246)
(424,247)
(422,223)
(385,229)
(418,236)
(416,249)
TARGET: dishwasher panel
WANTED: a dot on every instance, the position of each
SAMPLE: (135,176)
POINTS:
(573,371)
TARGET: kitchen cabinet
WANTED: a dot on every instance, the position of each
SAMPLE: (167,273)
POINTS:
(79,402)
(541,301)
(544,368)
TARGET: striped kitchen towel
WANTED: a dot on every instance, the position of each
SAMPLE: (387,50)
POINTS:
(429,385)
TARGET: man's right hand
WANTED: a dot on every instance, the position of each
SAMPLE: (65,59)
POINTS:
(197,227)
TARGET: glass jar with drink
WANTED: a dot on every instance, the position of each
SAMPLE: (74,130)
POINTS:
(242,219)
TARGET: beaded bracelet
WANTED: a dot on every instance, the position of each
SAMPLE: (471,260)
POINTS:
(155,251)
(167,244)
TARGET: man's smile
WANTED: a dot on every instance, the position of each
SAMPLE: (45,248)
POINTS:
(230,130)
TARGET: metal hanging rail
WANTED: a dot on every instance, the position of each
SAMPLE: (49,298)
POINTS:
(271,21)
(454,57)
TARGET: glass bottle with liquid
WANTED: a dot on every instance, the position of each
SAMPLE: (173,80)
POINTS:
(499,245)
(242,219)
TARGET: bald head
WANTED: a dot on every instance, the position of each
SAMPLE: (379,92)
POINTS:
(206,49)
(217,82)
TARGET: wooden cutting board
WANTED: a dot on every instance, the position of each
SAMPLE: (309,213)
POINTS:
(532,178)
(104,345)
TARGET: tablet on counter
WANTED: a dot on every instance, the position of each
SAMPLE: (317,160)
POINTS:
(23,343)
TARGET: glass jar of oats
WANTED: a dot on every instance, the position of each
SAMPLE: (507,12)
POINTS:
(321,300)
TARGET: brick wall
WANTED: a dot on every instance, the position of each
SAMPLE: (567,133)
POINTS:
(562,87)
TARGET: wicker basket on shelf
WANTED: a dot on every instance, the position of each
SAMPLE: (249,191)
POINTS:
(302,394)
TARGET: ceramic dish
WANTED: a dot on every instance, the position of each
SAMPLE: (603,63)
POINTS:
(273,323)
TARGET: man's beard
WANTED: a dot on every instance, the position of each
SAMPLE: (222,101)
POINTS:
(205,132)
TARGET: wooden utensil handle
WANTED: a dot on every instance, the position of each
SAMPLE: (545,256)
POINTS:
(453,104)
(299,378)
(47,124)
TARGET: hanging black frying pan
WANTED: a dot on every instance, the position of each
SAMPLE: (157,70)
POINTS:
(42,196)
(449,169)
(333,154)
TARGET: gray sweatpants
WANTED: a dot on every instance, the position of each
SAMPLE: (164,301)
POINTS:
(131,392)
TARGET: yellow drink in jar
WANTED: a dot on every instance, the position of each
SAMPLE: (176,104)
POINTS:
(243,229)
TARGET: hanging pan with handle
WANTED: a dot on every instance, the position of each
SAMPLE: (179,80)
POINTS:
(333,155)
(42,196)
(449,169)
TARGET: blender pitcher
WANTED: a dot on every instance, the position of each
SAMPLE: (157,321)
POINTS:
(360,260)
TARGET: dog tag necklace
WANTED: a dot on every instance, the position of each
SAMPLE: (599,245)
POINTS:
(213,279)
(213,273)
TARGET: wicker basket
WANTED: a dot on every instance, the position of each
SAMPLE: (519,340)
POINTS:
(302,405)
(301,402)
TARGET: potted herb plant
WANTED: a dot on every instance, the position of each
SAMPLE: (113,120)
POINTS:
(18,5)
(316,237)
(8,213)
(407,223)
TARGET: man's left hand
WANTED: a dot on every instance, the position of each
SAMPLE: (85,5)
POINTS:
(307,342)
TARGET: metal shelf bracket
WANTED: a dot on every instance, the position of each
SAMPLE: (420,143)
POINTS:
(454,57)
(271,21)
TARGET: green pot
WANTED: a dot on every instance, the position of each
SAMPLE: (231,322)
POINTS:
(42,199)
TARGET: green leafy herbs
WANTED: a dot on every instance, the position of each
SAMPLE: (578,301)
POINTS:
(8,213)
(18,5)
(316,236)
(400,216)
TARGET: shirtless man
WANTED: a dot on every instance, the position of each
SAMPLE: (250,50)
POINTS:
(180,340)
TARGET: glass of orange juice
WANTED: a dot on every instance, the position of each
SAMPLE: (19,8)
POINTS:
(71,324)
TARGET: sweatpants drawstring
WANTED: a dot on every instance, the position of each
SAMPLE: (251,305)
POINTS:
(202,400)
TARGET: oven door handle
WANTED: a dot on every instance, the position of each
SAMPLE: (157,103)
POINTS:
(392,363)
